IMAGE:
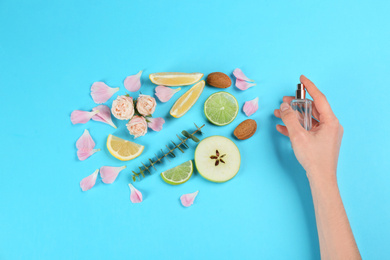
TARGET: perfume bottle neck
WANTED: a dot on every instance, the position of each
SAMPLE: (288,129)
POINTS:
(300,93)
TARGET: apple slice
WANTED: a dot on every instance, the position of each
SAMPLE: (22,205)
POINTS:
(217,158)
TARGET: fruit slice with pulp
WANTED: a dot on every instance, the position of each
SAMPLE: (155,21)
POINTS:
(175,78)
(187,100)
(217,158)
(122,149)
(179,174)
(221,108)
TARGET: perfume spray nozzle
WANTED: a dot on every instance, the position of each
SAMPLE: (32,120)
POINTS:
(300,93)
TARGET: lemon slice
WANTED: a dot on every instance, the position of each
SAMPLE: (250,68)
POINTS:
(175,78)
(122,149)
(187,100)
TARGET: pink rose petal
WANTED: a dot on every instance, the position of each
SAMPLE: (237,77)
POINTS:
(250,107)
(156,124)
(109,173)
(89,181)
(243,85)
(165,93)
(101,93)
(104,115)
(85,145)
(241,76)
(133,83)
(83,154)
(82,117)
(85,141)
(136,195)
(188,199)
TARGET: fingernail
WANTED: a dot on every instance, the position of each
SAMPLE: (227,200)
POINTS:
(284,106)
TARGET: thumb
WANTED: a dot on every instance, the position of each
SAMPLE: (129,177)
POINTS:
(290,119)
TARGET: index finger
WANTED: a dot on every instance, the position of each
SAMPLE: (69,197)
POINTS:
(319,98)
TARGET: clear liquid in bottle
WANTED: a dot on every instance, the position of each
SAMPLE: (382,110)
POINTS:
(302,107)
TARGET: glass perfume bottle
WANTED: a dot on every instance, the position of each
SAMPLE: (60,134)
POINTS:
(302,107)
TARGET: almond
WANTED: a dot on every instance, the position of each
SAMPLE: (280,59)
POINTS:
(219,80)
(246,129)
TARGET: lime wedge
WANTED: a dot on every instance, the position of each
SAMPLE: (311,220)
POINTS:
(221,108)
(179,174)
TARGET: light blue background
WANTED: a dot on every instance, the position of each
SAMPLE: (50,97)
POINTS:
(52,51)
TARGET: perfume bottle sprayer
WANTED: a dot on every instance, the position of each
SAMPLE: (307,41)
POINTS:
(302,107)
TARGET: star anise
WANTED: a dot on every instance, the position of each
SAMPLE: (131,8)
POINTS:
(217,158)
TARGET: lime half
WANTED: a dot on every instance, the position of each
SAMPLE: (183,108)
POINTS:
(179,174)
(221,108)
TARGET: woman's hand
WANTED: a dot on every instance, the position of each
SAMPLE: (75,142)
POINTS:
(317,150)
